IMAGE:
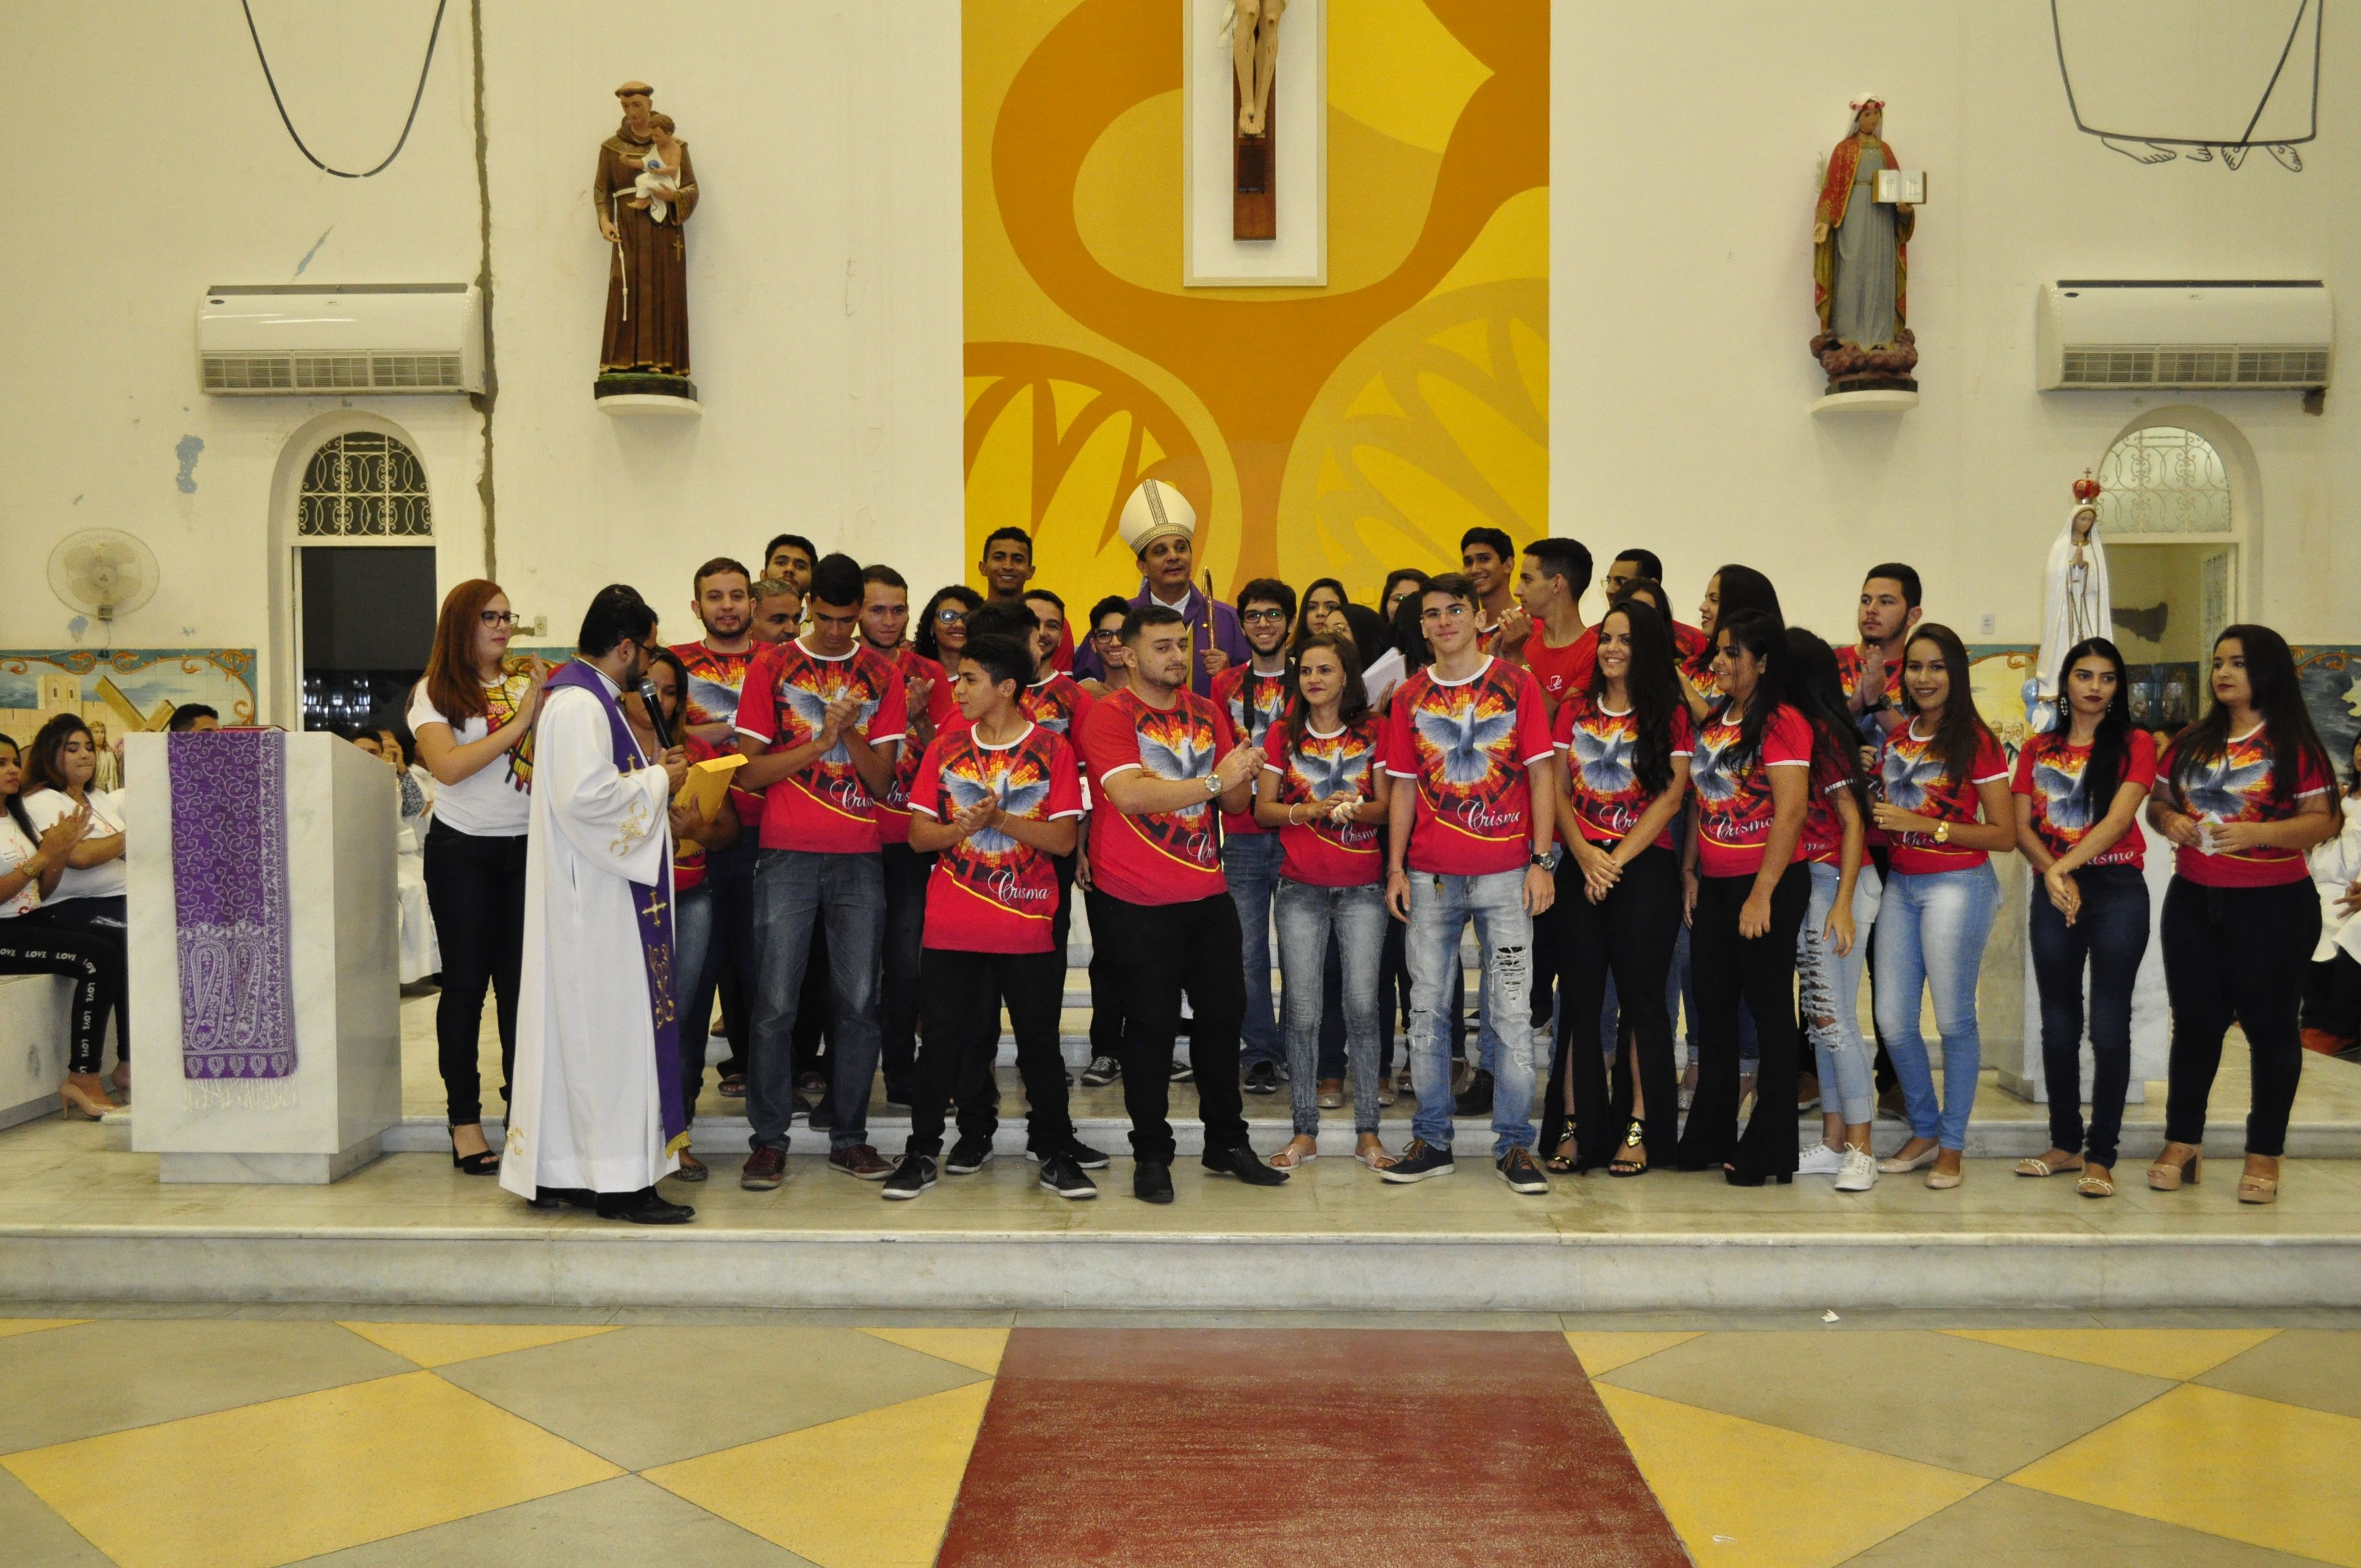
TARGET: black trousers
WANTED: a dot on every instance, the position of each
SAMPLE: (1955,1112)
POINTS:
(475,886)
(90,956)
(1761,969)
(1163,951)
(897,989)
(2236,953)
(1633,932)
(2110,938)
(960,996)
(1106,985)
(2331,996)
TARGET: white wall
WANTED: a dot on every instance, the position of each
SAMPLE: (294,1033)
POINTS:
(824,290)
(1685,155)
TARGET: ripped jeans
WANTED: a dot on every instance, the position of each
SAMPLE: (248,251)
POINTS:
(1829,985)
(1440,908)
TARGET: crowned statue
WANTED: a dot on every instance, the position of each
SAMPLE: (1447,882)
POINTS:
(1861,269)
(2076,605)
(644,192)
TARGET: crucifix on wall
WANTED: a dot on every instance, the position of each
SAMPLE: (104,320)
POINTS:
(1253,57)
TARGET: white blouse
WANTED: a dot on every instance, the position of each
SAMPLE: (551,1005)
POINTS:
(15,851)
(109,881)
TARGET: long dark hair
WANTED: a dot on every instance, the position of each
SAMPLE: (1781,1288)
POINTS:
(1816,691)
(1302,638)
(1652,689)
(1743,590)
(2271,678)
(1410,636)
(1352,703)
(1962,732)
(925,639)
(1766,639)
(41,764)
(672,661)
(16,796)
(2110,744)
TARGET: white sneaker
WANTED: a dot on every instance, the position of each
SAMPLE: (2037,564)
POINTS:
(1859,1172)
(1818,1160)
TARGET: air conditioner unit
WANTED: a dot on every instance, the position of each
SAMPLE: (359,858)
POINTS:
(2105,333)
(278,340)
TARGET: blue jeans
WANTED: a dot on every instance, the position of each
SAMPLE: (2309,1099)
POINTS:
(791,889)
(694,972)
(1930,937)
(1308,916)
(1440,908)
(1830,989)
(2110,934)
(1250,861)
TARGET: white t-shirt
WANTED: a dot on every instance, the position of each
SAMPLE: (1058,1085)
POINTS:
(109,881)
(485,802)
(15,851)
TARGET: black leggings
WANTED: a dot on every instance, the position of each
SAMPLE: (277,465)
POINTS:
(1634,931)
(1762,970)
(91,956)
(475,885)
(2236,952)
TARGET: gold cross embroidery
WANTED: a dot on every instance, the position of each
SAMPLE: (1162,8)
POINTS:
(654,911)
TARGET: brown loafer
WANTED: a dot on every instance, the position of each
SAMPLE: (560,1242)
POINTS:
(860,1161)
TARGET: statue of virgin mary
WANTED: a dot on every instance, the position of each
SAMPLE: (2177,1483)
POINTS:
(2075,602)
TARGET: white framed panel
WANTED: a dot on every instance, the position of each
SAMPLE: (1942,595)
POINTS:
(1298,256)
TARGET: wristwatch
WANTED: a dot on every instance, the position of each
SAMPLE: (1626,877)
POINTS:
(1549,862)
(1942,832)
(1213,785)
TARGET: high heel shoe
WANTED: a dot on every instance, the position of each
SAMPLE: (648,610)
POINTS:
(74,1101)
(2255,1186)
(2169,1175)
(485,1163)
(1738,1178)
(1631,1159)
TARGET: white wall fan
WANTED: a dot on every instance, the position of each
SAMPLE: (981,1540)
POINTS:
(104,572)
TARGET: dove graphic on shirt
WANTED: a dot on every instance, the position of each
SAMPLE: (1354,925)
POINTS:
(1465,740)
(1908,775)
(1713,779)
(1605,760)
(2065,806)
(2223,787)
(1015,798)
(1185,757)
(711,702)
(812,708)
(1332,772)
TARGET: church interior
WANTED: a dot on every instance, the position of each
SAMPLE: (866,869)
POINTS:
(468,323)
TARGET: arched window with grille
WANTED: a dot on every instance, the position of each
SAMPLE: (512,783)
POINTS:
(364,484)
(2168,516)
(363,576)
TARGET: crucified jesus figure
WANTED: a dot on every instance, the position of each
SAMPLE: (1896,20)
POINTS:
(1254,51)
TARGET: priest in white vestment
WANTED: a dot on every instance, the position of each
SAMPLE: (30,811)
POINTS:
(587,1120)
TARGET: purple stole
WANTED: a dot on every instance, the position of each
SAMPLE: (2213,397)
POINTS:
(652,904)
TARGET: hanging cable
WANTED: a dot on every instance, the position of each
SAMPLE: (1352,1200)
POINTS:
(415,98)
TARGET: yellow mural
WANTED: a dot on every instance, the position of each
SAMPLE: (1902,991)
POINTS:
(1340,431)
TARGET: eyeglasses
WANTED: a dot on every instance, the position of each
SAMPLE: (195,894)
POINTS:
(498,617)
(947,616)
(1107,634)
(1256,617)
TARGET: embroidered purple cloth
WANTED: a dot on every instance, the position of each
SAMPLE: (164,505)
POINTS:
(230,898)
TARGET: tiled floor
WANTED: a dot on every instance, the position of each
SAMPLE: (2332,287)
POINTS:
(1767,1441)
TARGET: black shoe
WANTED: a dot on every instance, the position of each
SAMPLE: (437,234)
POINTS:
(1476,1099)
(691,1167)
(1417,1163)
(559,1197)
(1522,1171)
(967,1157)
(644,1208)
(1080,1153)
(912,1177)
(1151,1182)
(1102,1071)
(1245,1164)
(1063,1177)
(1262,1079)
(1738,1176)
(1182,1072)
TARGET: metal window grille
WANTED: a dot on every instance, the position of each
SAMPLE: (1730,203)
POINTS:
(362,485)
(2164,480)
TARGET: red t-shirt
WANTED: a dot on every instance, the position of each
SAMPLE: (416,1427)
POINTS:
(943,708)
(825,808)
(1466,746)
(988,892)
(2236,788)
(1597,746)
(716,681)
(1734,805)
(1563,671)
(1308,767)
(1910,776)
(1255,702)
(1823,840)
(1166,857)
(1059,705)
(2049,776)
(1849,673)
(687,854)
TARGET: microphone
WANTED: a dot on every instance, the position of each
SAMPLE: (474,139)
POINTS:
(647,693)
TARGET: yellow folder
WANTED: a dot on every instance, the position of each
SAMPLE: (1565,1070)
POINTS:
(707,784)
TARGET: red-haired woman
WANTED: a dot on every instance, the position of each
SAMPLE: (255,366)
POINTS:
(469,714)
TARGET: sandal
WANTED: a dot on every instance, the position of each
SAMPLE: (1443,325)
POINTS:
(2039,1166)
(2169,1175)
(1293,1158)
(1375,1158)
(2255,1185)
(1568,1158)
(1633,1158)
(2097,1181)
(732,1086)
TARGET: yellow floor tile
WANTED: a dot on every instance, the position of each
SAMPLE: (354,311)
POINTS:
(2178,1353)
(291,1478)
(35,1325)
(2254,1470)
(1743,1495)
(870,1491)
(978,1348)
(440,1344)
(1602,1353)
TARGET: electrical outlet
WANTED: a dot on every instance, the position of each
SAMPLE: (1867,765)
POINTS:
(1988,625)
